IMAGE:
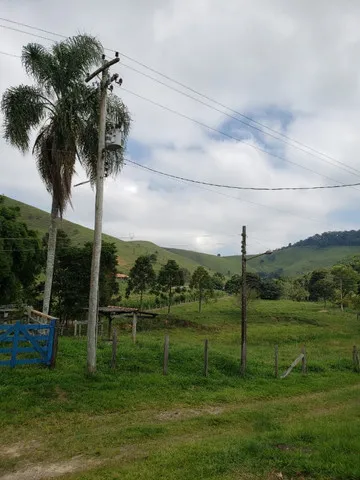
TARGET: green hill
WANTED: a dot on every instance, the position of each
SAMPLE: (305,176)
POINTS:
(128,251)
(318,251)
(289,261)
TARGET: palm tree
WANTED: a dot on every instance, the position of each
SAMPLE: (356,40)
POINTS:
(63,111)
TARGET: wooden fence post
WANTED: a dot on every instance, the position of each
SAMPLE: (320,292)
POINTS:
(303,361)
(114,349)
(356,361)
(166,355)
(134,323)
(276,361)
(206,357)
(75,328)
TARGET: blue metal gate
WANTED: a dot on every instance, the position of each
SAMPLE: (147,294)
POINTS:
(26,344)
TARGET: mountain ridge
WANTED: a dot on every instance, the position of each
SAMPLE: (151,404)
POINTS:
(320,250)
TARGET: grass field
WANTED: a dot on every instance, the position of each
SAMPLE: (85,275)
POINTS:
(135,423)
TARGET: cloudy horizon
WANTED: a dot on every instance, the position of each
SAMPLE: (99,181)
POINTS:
(291,67)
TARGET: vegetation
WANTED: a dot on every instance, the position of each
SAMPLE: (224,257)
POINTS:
(142,276)
(170,276)
(20,256)
(71,284)
(64,111)
(134,423)
(202,284)
(288,262)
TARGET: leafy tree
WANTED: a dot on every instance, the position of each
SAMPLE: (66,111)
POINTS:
(325,288)
(218,281)
(170,276)
(233,286)
(201,281)
(253,284)
(141,277)
(316,290)
(346,279)
(64,112)
(21,256)
(270,290)
(71,284)
(298,290)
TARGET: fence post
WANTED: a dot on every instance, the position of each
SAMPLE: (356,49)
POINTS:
(276,361)
(75,328)
(114,348)
(356,361)
(134,323)
(303,361)
(54,347)
(206,357)
(166,355)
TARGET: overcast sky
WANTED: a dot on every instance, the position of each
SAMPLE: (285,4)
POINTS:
(293,66)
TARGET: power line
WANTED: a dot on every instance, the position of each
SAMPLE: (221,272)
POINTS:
(10,54)
(236,187)
(216,192)
(310,150)
(345,167)
(228,135)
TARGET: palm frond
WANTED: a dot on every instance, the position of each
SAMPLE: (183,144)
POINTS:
(117,116)
(55,157)
(39,64)
(74,58)
(23,107)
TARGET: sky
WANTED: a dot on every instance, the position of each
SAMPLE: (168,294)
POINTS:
(292,66)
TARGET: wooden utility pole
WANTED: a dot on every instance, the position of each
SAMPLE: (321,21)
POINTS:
(95,263)
(243,302)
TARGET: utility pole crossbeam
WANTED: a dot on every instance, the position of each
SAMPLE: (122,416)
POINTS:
(243,302)
(95,264)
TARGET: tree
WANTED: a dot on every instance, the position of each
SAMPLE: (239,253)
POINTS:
(170,276)
(346,279)
(142,276)
(270,290)
(218,281)
(253,283)
(21,256)
(315,290)
(233,286)
(325,288)
(72,276)
(64,111)
(202,283)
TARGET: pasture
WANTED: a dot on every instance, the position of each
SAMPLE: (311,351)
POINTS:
(135,423)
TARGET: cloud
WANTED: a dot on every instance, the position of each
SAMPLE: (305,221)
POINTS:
(290,65)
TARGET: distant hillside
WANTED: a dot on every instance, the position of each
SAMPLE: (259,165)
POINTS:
(288,261)
(350,238)
(314,252)
(293,261)
(128,251)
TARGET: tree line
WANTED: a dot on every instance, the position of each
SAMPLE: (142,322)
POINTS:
(171,279)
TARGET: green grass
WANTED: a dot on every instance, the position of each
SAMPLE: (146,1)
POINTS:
(134,423)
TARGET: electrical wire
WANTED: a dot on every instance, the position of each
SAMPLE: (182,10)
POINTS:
(345,167)
(236,187)
(310,150)
(228,135)
(216,192)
